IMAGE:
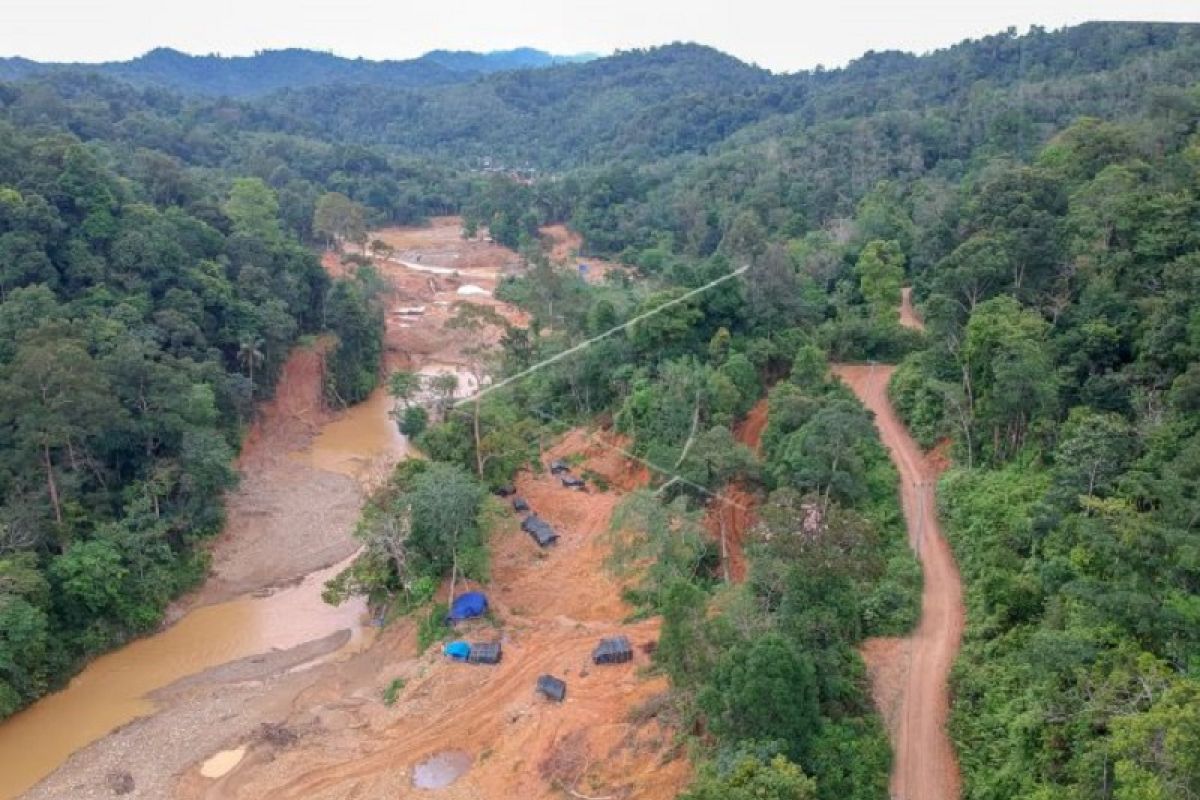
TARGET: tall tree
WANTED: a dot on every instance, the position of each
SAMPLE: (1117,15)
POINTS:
(880,270)
(253,209)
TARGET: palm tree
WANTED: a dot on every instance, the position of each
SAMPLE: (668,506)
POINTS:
(250,355)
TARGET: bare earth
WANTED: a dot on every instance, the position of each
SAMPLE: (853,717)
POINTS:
(311,718)
(279,499)
(551,608)
(565,246)
(731,517)
(911,676)
(908,315)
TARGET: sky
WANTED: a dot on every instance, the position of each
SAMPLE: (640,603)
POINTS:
(782,35)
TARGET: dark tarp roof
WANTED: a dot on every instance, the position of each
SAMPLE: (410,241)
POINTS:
(539,529)
(485,653)
(613,650)
(471,604)
(558,466)
(571,482)
(552,688)
(519,504)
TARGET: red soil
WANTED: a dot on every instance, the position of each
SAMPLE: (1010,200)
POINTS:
(749,431)
(908,314)
(552,607)
(293,414)
(565,246)
(731,516)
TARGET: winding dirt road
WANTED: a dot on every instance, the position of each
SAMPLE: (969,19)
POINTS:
(911,676)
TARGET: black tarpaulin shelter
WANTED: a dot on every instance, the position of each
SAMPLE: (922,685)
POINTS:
(519,504)
(571,482)
(613,650)
(540,530)
(552,688)
(485,653)
(558,467)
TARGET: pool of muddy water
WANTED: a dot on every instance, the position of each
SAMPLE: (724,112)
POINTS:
(441,769)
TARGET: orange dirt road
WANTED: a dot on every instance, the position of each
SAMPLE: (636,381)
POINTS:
(908,314)
(924,766)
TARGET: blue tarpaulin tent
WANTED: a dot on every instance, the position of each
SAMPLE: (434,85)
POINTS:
(471,604)
(459,651)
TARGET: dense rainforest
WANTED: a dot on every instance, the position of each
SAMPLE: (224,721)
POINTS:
(270,70)
(1040,192)
(145,305)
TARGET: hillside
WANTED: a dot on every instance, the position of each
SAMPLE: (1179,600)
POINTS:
(1033,200)
(641,106)
(272,70)
(684,98)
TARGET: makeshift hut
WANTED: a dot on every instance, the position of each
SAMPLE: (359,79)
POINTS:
(558,467)
(613,650)
(540,530)
(519,504)
(485,653)
(459,651)
(571,482)
(551,688)
(466,606)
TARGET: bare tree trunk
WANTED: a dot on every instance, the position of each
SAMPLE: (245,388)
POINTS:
(453,576)
(724,545)
(692,435)
(478,452)
(51,484)
(829,486)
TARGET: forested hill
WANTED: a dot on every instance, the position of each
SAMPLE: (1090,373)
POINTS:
(685,98)
(272,70)
(1041,193)
(637,106)
(147,301)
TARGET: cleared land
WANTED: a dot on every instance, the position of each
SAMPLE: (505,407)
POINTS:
(310,717)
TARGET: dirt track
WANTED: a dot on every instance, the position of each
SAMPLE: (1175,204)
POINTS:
(914,696)
(908,315)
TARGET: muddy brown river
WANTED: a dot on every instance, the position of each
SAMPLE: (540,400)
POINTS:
(352,443)
(115,688)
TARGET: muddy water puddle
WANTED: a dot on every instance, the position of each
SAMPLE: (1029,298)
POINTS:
(222,763)
(441,769)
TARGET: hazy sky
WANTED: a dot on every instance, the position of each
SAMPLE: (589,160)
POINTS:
(779,34)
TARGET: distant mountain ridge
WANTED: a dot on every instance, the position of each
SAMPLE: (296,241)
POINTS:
(271,70)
